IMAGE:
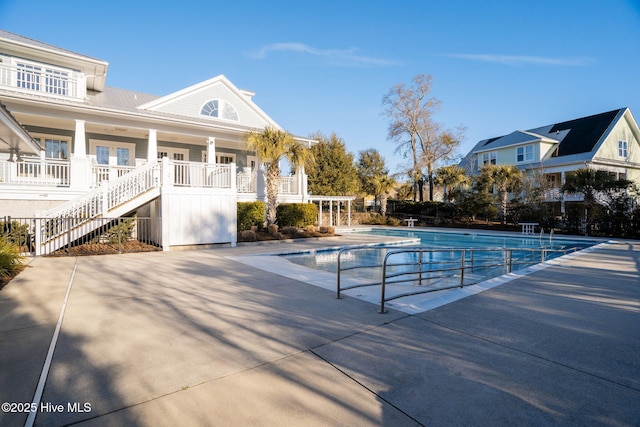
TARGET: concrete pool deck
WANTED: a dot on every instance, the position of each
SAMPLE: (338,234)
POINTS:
(196,338)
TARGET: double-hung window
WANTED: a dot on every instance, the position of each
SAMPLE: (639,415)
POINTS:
(524,154)
(488,158)
(623,149)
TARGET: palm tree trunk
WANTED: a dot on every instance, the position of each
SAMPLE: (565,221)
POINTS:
(504,200)
(272,184)
(383,204)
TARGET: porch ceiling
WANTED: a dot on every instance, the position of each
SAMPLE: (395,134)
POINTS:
(13,137)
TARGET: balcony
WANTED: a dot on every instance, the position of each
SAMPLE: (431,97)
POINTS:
(42,79)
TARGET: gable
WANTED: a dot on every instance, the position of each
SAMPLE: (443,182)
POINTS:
(189,102)
(625,130)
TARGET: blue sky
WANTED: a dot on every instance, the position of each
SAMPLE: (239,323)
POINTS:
(497,66)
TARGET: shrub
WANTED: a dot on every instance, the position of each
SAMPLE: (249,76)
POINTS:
(15,232)
(248,236)
(289,231)
(120,233)
(273,229)
(297,214)
(10,260)
(250,214)
(327,230)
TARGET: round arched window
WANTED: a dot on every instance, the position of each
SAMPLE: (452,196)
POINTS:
(219,109)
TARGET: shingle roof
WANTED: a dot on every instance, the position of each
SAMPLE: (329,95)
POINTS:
(584,133)
(35,43)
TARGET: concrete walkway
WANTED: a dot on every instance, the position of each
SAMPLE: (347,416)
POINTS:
(194,338)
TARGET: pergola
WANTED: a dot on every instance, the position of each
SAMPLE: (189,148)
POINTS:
(338,200)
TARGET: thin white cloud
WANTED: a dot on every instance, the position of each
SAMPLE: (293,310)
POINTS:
(344,57)
(519,60)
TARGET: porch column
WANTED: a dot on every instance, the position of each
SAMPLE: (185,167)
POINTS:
(562,204)
(349,212)
(300,181)
(211,150)
(152,146)
(338,213)
(330,213)
(261,192)
(80,142)
(80,169)
(320,213)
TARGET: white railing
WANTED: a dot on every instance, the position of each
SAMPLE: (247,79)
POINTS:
(102,173)
(288,185)
(43,79)
(30,171)
(246,181)
(556,194)
(100,200)
(194,174)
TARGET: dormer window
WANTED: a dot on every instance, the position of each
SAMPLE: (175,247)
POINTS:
(219,109)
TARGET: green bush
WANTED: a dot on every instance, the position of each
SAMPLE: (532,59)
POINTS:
(297,214)
(15,232)
(10,259)
(250,214)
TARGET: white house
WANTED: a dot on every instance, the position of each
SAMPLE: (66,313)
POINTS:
(607,141)
(72,147)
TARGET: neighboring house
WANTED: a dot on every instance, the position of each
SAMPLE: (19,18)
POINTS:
(72,147)
(608,141)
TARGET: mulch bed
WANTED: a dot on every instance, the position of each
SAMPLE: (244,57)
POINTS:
(105,249)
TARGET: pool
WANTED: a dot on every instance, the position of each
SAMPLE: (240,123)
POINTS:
(318,267)
(328,260)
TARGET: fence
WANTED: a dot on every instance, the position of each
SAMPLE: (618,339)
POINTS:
(427,270)
(108,235)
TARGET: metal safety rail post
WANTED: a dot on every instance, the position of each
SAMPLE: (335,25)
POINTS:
(340,267)
(432,266)
(461,261)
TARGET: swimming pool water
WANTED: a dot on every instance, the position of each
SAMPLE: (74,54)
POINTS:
(327,260)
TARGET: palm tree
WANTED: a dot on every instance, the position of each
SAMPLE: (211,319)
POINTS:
(382,184)
(504,179)
(271,146)
(451,177)
(589,183)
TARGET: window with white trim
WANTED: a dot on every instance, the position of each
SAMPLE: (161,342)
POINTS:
(524,154)
(179,154)
(623,149)
(31,76)
(225,158)
(490,158)
(54,147)
(219,109)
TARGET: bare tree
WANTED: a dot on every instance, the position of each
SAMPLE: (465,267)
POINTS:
(410,109)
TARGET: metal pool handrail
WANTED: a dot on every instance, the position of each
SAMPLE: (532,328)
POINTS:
(448,268)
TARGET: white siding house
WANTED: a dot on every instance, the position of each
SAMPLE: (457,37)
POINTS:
(72,146)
